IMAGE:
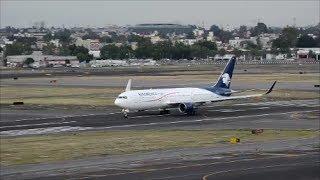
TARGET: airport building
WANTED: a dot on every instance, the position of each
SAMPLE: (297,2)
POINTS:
(41,60)
(303,53)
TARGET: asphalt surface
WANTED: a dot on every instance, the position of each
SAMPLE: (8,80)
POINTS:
(299,114)
(98,82)
(160,70)
(263,165)
(297,166)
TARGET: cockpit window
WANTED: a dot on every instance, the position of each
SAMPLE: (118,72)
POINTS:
(122,97)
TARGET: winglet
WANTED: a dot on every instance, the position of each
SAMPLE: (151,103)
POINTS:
(271,88)
(128,88)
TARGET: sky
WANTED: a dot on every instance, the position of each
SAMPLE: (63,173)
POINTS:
(90,13)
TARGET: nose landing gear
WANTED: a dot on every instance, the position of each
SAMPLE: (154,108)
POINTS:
(125,113)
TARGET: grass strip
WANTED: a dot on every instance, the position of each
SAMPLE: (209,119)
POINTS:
(56,147)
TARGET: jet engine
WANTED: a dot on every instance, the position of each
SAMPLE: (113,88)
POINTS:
(186,108)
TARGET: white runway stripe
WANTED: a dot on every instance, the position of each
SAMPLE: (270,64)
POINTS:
(202,120)
(42,130)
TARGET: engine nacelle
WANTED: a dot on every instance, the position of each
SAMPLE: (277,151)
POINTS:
(186,108)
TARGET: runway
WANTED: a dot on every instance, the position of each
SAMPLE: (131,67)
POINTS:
(263,167)
(280,165)
(298,114)
(278,159)
(120,82)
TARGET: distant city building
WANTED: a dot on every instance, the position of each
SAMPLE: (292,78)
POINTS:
(210,36)
(90,44)
(188,41)
(161,28)
(55,42)
(236,42)
(198,32)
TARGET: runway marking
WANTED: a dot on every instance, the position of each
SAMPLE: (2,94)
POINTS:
(25,125)
(201,120)
(246,169)
(280,103)
(43,130)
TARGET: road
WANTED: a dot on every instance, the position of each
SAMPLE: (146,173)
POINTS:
(299,114)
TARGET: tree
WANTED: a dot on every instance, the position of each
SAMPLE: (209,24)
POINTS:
(318,41)
(286,40)
(91,35)
(311,54)
(63,36)
(28,61)
(49,49)
(290,35)
(225,36)
(215,29)
(242,31)
(162,50)
(190,35)
(64,50)
(27,40)
(81,52)
(237,52)
(47,37)
(222,52)
(17,48)
(110,52)
(84,57)
(106,39)
(306,41)
(207,44)
(260,28)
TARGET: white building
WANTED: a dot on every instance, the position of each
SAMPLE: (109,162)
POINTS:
(198,32)
(155,39)
(107,63)
(210,36)
(188,41)
(95,54)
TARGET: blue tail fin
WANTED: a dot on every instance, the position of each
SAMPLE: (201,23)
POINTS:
(224,80)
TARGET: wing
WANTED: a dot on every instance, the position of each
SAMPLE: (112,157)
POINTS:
(246,96)
(176,104)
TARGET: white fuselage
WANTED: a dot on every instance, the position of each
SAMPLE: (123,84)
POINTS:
(160,98)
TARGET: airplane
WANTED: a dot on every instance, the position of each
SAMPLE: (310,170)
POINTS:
(187,99)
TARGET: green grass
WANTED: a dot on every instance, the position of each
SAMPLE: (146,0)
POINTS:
(43,148)
(59,95)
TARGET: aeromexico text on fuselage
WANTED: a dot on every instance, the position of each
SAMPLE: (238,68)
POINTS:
(187,100)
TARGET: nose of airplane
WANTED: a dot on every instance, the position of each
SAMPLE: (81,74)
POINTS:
(116,102)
